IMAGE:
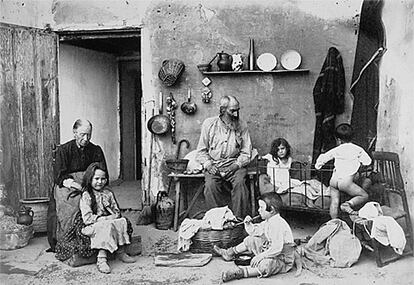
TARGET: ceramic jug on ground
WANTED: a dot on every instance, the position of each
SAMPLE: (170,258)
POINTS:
(164,211)
(25,216)
(224,61)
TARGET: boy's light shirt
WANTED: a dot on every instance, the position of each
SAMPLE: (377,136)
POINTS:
(348,158)
(276,230)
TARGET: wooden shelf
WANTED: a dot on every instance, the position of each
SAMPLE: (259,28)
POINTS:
(255,72)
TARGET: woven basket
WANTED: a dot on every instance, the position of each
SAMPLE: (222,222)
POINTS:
(205,239)
(39,206)
(170,70)
(17,238)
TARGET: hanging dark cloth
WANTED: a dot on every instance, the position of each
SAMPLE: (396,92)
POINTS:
(365,76)
(329,99)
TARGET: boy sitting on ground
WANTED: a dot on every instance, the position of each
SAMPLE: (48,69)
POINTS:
(348,158)
(271,242)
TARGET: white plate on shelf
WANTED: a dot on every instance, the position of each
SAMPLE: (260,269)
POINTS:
(290,60)
(266,62)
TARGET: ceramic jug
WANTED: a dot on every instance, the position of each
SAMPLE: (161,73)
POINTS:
(224,61)
(25,216)
(164,211)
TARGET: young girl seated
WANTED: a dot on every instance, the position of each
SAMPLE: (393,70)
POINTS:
(279,160)
(108,231)
(348,158)
(271,242)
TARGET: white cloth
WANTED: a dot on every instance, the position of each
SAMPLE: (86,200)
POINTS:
(387,231)
(278,171)
(370,210)
(276,230)
(108,234)
(312,189)
(348,158)
(214,219)
(188,228)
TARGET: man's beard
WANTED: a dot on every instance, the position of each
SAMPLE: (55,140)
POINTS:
(233,122)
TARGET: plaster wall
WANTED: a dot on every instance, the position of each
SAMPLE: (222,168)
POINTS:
(88,88)
(395,115)
(194,31)
(30,13)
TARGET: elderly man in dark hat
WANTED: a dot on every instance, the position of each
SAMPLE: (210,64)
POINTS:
(224,149)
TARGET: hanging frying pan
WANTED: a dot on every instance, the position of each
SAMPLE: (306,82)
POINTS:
(159,124)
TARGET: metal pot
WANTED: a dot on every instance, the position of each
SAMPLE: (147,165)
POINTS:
(159,124)
(189,107)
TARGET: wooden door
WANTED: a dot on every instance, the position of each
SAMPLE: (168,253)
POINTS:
(29,122)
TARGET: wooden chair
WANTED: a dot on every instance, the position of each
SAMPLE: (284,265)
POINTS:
(394,200)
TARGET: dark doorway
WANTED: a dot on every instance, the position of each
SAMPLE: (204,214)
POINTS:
(124,46)
(130,106)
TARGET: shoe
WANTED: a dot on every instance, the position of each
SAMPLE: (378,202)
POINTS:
(346,207)
(227,254)
(103,266)
(232,274)
(125,258)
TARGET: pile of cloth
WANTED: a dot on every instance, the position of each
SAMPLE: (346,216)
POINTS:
(385,229)
(214,219)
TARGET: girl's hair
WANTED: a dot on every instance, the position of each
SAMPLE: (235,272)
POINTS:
(87,181)
(274,148)
(272,200)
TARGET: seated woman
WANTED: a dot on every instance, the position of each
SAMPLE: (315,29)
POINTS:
(98,226)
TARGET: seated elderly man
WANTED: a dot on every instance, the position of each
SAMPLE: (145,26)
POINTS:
(72,159)
(224,150)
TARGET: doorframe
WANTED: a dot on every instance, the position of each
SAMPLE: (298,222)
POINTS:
(70,35)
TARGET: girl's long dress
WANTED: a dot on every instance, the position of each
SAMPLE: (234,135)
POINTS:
(104,234)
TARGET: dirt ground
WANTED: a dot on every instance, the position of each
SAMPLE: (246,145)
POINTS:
(33,265)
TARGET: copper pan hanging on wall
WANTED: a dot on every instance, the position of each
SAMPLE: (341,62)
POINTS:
(159,124)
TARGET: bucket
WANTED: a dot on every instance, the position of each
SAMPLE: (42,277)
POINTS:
(39,207)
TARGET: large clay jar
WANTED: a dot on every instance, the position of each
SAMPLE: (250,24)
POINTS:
(164,211)
(25,216)
(224,61)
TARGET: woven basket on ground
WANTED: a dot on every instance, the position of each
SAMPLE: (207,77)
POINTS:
(205,239)
(170,71)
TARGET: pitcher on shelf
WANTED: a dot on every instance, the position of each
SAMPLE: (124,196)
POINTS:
(224,61)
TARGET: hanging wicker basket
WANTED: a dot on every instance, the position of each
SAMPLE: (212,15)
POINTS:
(170,71)
(205,239)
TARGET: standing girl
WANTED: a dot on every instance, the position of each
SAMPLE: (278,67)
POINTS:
(279,161)
(106,228)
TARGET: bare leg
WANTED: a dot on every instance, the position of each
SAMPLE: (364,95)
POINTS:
(333,208)
(359,196)
(250,271)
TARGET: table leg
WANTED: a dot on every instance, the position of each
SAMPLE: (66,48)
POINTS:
(252,198)
(177,203)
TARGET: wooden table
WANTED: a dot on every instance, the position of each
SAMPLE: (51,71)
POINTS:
(179,177)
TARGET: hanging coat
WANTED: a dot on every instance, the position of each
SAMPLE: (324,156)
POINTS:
(329,99)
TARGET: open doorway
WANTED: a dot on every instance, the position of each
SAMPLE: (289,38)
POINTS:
(100,79)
